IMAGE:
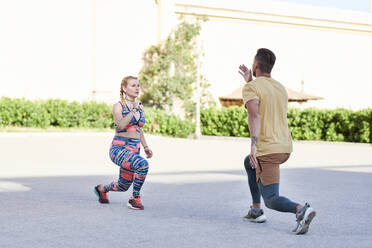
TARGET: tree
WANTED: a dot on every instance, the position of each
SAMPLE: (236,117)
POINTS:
(169,69)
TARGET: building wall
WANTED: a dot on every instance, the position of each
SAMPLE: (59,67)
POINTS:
(45,48)
(69,49)
(80,50)
(329,50)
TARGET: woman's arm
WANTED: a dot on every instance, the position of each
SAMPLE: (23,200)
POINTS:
(143,140)
(144,145)
(121,122)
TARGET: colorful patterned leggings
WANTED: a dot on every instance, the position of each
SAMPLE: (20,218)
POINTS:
(125,152)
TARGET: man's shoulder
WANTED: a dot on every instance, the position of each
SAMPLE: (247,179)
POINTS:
(268,82)
(257,80)
(249,87)
(261,81)
(278,85)
(275,81)
(252,84)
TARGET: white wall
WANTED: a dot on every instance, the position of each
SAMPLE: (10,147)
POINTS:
(55,48)
(333,65)
(333,60)
(45,48)
(124,30)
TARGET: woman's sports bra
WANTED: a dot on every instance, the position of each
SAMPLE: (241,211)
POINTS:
(133,125)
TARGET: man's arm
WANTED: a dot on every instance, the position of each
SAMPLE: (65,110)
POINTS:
(252,107)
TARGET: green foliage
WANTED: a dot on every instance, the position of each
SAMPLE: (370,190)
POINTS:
(169,70)
(159,122)
(361,130)
(20,112)
(60,113)
(307,124)
(230,121)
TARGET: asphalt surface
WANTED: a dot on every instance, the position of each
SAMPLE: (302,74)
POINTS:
(195,194)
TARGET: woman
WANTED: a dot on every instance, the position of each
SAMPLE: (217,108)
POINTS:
(125,148)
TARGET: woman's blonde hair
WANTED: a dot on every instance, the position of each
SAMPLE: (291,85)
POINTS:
(124,83)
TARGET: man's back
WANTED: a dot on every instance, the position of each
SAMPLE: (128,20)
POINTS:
(274,135)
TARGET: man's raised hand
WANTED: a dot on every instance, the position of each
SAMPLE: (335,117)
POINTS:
(246,73)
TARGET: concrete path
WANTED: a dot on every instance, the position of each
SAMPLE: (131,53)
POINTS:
(194,196)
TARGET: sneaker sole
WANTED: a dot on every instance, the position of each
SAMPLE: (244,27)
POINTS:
(304,224)
(131,207)
(260,219)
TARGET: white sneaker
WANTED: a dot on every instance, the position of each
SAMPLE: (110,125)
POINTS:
(304,217)
(255,215)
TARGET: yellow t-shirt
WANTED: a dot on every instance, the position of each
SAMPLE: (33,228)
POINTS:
(275,136)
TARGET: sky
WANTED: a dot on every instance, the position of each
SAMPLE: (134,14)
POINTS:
(358,5)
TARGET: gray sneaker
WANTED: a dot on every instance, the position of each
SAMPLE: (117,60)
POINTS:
(304,217)
(255,215)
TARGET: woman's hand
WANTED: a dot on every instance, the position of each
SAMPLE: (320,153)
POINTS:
(136,114)
(148,152)
(135,110)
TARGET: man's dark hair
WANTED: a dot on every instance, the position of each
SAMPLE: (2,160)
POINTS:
(265,59)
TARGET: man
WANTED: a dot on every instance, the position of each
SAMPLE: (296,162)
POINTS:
(266,101)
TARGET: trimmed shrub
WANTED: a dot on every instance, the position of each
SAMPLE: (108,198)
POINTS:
(230,121)
(159,122)
(61,113)
(308,124)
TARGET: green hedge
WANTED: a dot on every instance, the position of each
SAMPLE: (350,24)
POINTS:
(230,121)
(18,112)
(307,124)
(58,113)
(160,122)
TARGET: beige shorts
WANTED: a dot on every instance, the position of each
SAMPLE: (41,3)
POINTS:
(268,167)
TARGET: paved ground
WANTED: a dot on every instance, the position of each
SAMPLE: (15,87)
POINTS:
(194,196)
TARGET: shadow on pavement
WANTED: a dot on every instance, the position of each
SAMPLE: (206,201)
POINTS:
(63,211)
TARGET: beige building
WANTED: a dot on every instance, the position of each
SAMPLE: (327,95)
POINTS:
(80,50)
